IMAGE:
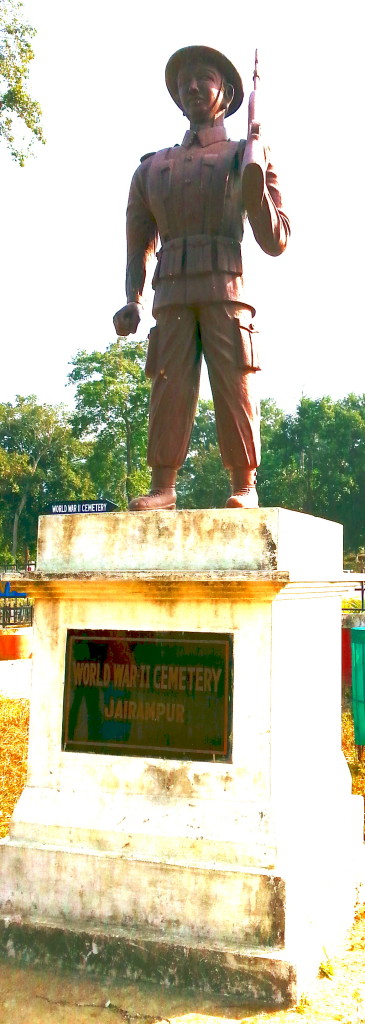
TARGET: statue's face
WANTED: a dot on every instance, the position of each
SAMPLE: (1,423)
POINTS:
(199,87)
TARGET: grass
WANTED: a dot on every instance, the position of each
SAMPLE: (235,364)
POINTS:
(14,720)
(351,752)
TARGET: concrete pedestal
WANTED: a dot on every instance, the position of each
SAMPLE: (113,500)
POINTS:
(229,876)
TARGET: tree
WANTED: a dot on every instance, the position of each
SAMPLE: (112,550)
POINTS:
(40,461)
(112,399)
(16,104)
(274,454)
(203,480)
(314,462)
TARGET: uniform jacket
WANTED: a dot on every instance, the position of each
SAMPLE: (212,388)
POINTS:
(191,197)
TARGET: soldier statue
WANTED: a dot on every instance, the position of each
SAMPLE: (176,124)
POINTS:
(194,197)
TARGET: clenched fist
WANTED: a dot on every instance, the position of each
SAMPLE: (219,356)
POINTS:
(126,320)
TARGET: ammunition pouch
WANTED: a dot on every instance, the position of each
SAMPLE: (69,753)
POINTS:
(152,353)
(244,337)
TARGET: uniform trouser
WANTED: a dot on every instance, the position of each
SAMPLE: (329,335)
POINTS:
(181,336)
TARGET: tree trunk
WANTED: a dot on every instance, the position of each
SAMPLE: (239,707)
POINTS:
(16,524)
(128,488)
(21,506)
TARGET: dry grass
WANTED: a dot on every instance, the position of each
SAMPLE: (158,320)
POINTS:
(14,720)
(352,753)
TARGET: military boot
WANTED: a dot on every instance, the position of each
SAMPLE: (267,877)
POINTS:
(244,493)
(162,494)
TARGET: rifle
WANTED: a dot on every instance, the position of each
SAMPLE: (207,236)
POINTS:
(253,120)
(253,165)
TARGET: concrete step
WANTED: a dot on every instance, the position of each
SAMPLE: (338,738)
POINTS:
(257,975)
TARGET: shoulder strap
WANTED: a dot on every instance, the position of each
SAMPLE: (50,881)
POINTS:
(146,155)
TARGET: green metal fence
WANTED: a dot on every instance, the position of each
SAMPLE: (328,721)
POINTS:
(358,683)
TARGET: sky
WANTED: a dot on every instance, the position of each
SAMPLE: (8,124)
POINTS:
(98,75)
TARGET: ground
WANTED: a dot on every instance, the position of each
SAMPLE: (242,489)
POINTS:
(41,997)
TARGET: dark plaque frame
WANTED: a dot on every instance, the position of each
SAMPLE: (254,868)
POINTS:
(150,694)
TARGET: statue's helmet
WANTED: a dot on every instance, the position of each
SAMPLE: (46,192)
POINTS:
(205,55)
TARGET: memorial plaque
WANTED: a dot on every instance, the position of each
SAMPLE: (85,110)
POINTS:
(151,694)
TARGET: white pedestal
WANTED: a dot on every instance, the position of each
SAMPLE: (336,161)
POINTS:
(238,873)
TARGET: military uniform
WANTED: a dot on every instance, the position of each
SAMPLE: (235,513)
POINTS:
(191,197)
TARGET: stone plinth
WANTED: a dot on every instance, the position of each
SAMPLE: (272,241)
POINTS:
(257,540)
(250,863)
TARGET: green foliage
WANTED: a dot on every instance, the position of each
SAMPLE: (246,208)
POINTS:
(112,400)
(314,461)
(273,464)
(40,461)
(16,106)
(203,481)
